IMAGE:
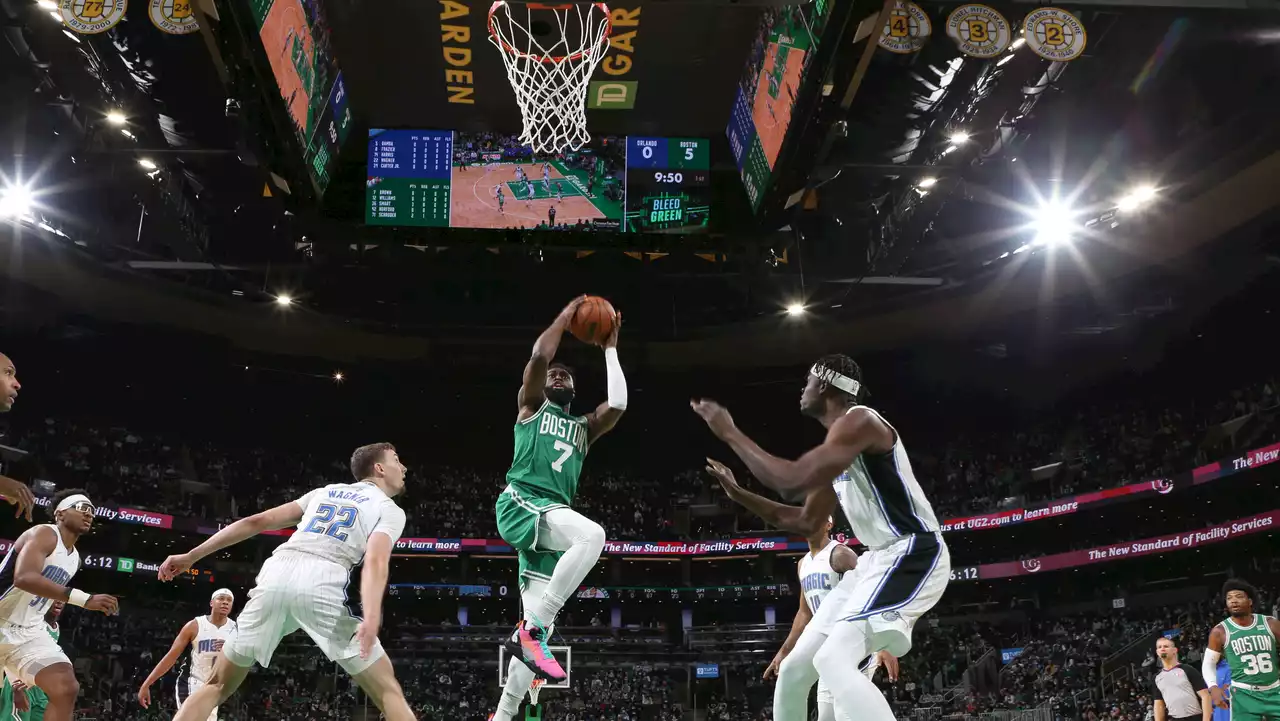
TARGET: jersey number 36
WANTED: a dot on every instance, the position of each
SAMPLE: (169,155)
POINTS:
(323,521)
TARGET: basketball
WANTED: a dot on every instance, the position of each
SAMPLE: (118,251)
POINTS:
(593,321)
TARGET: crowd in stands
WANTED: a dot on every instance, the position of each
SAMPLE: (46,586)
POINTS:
(1110,445)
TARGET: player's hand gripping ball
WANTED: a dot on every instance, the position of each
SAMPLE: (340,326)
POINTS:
(594,320)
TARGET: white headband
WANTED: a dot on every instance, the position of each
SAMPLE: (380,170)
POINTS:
(223,592)
(72,500)
(835,378)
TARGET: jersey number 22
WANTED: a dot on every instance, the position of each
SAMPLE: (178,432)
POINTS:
(323,521)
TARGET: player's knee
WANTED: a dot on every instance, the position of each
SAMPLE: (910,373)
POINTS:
(61,686)
(593,535)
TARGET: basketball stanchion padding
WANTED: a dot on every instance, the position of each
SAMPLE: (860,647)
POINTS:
(550,52)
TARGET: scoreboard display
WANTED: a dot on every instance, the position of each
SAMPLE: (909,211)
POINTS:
(668,185)
(449,179)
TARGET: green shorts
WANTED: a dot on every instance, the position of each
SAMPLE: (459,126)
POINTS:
(1248,705)
(35,697)
(518,520)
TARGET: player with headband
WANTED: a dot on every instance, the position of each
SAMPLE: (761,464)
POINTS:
(863,466)
(205,635)
(35,573)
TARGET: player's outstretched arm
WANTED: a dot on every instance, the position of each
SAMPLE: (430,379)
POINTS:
(282,516)
(185,637)
(1209,667)
(34,546)
(850,435)
(606,415)
(804,520)
(544,351)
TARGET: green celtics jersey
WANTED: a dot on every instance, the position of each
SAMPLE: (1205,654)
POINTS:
(549,449)
(1251,652)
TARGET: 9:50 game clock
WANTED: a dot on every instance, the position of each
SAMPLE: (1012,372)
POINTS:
(668,185)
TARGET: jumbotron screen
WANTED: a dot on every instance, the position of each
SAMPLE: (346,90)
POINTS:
(452,179)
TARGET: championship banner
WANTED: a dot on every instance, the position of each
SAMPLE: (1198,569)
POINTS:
(1265,522)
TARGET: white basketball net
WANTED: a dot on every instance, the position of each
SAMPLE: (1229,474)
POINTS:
(550,77)
(534,688)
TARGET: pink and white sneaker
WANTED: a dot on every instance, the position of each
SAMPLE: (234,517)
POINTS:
(529,644)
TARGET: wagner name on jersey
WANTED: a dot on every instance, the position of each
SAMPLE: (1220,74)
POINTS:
(338,519)
(817,577)
(26,610)
(550,447)
(881,498)
(205,649)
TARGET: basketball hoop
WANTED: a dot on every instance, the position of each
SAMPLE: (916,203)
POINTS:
(550,52)
(534,688)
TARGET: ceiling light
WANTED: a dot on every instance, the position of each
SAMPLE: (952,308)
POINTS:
(795,309)
(959,138)
(146,163)
(16,201)
(1136,198)
(1004,60)
(927,183)
(47,4)
(56,15)
(125,132)
(337,376)
(115,117)
(1053,225)
(1017,43)
(284,300)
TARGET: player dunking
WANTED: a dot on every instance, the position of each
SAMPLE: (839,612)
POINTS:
(557,546)
(1248,641)
(36,569)
(303,585)
(863,466)
(206,636)
(28,703)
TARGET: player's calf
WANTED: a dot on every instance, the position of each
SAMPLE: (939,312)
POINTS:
(59,683)
(379,682)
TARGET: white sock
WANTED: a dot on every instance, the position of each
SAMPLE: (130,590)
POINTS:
(796,675)
(582,540)
(837,662)
(519,677)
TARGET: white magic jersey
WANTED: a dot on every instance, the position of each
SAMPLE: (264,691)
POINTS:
(20,608)
(881,497)
(338,519)
(817,578)
(206,648)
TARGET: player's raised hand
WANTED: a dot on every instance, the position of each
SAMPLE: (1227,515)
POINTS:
(144,697)
(17,494)
(102,602)
(612,340)
(366,635)
(175,566)
(717,418)
(566,315)
(724,475)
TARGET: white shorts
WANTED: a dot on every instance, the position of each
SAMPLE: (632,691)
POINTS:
(892,587)
(299,591)
(27,650)
(185,687)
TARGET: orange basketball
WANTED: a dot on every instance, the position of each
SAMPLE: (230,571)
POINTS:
(593,321)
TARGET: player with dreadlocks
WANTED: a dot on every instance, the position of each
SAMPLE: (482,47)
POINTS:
(862,466)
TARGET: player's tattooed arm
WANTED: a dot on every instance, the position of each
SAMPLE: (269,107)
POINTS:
(843,559)
(804,520)
(184,638)
(850,435)
(534,382)
(606,415)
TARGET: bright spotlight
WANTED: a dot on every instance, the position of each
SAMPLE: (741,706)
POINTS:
(1053,225)
(926,183)
(56,15)
(47,4)
(115,117)
(1136,198)
(284,301)
(959,138)
(125,132)
(1017,43)
(16,201)
(337,376)
(795,309)
(146,163)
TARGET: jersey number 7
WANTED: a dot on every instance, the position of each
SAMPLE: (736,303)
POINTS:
(323,521)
